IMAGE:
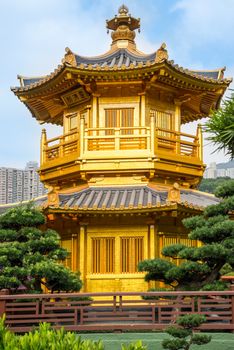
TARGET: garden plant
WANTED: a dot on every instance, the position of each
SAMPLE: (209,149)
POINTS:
(183,335)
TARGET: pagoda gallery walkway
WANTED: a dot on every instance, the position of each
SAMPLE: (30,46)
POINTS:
(116,311)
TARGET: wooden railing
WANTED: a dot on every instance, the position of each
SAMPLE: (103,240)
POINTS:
(60,147)
(117,311)
(155,141)
(114,139)
(177,142)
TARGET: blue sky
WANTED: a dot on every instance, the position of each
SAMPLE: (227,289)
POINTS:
(34,34)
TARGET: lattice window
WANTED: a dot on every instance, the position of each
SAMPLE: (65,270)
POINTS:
(103,249)
(188,242)
(119,118)
(73,121)
(131,253)
(163,120)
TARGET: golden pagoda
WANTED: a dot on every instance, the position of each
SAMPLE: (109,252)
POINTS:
(122,176)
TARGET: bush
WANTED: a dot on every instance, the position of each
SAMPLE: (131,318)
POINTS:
(46,338)
(134,346)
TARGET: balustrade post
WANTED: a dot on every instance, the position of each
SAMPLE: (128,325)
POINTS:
(147,132)
(117,139)
(232,306)
(3,302)
(43,146)
(199,139)
(152,134)
(177,139)
(82,129)
(62,139)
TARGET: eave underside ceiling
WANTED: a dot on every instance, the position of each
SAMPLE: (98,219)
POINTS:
(45,103)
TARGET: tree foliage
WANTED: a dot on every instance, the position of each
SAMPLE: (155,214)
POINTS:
(221,127)
(210,185)
(30,257)
(200,267)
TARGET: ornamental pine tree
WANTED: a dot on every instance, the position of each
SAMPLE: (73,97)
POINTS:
(200,268)
(31,257)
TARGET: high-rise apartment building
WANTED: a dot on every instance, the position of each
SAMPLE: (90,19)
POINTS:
(17,185)
(219,170)
(211,171)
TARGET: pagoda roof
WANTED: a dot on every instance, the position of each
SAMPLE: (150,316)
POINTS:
(122,198)
(118,60)
(139,197)
(123,63)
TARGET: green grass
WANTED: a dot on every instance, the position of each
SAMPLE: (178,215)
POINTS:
(113,341)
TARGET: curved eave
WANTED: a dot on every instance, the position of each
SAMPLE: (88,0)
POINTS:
(41,82)
(198,77)
(147,67)
(38,97)
(38,201)
(168,207)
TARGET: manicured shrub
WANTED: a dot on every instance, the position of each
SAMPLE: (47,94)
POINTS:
(183,334)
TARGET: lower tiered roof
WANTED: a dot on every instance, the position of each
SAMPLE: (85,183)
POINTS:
(122,198)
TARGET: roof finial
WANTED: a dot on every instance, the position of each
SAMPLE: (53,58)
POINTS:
(123,10)
(123,26)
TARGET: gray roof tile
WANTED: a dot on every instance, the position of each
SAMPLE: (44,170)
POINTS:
(119,57)
(200,199)
(207,74)
(130,197)
(122,197)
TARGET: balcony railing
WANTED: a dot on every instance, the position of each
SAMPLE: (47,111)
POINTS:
(149,141)
(59,147)
(113,139)
(176,142)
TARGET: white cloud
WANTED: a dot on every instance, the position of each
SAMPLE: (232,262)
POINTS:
(207,20)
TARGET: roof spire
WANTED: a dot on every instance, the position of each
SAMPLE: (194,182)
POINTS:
(123,10)
(123,26)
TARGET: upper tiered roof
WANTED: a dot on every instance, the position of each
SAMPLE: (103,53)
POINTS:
(123,62)
(121,59)
(122,55)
